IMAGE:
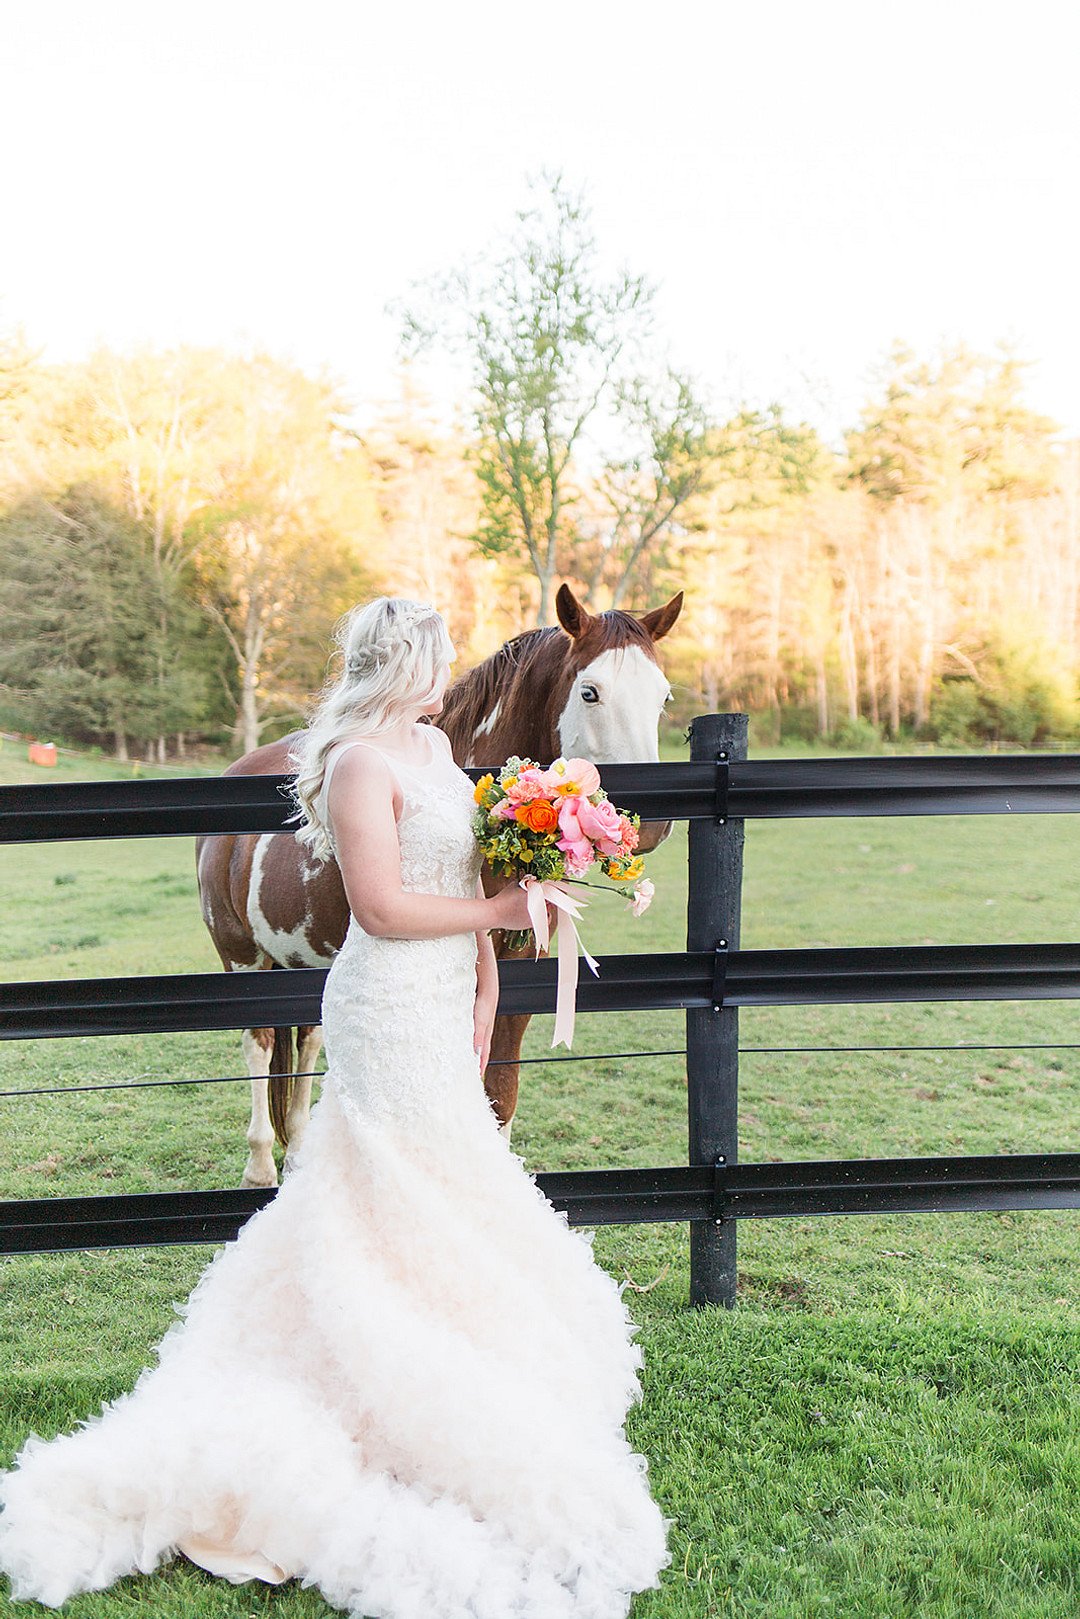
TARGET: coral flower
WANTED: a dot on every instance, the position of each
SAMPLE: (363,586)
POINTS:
(527,784)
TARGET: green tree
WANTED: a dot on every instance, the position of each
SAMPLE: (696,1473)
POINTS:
(554,351)
(139,429)
(646,490)
(253,506)
(77,600)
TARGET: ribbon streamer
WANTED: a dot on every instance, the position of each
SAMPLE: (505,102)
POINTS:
(538,896)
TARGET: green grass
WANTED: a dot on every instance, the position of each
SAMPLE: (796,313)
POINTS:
(885,1426)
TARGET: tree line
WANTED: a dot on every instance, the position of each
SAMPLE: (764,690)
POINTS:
(179,530)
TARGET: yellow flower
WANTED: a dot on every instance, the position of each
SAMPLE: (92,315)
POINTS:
(481,788)
(508,781)
(634,869)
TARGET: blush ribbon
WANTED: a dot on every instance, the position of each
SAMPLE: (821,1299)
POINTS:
(539,895)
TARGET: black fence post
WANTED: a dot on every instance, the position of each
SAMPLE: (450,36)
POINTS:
(712,1037)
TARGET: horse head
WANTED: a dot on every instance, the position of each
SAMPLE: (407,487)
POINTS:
(617,690)
(591,687)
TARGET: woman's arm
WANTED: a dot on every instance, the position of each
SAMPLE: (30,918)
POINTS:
(487,968)
(487,992)
(361,805)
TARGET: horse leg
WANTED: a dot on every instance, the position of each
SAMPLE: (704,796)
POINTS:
(260,1169)
(501,1083)
(308,1045)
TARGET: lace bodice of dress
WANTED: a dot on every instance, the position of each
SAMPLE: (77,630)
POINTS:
(398,1013)
(439,853)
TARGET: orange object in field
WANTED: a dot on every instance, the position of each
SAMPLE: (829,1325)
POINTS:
(42,753)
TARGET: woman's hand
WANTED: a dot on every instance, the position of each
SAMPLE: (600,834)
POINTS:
(484,1008)
(487,992)
(510,908)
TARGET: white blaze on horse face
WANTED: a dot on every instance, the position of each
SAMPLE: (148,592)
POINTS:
(292,948)
(613,710)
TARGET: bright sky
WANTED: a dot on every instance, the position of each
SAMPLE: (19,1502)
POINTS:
(806,182)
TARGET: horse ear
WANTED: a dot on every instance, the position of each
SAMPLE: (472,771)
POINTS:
(660,620)
(574,618)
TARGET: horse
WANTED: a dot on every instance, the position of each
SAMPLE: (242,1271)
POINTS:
(590,686)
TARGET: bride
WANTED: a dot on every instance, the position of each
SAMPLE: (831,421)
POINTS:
(404,1383)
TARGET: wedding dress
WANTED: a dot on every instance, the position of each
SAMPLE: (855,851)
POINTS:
(404,1382)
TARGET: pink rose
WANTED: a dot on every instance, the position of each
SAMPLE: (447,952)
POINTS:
(574,843)
(567,811)
(601,824)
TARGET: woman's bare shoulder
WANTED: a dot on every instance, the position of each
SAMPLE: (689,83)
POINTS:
(361,778)
(360,764)
(359,754)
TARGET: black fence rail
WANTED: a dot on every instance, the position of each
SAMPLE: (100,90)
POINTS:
(675,981)
(597,1197)
(699,789)
(716,791)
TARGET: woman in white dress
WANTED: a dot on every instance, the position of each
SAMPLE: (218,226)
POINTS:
(404,1383)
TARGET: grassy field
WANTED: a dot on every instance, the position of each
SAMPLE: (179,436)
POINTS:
(886,1425)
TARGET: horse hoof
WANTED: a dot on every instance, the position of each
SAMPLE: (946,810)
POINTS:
(258,1182)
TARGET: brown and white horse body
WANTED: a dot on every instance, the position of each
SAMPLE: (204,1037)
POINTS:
(592,688)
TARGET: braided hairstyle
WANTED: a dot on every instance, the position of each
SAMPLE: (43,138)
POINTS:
(393,650)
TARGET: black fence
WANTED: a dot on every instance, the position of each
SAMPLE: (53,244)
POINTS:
(715,791)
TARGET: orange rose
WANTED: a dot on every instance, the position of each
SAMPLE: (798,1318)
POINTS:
(539,816)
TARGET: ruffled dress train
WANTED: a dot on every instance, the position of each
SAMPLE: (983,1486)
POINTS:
(405,1382)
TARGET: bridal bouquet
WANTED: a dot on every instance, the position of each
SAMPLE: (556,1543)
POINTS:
(555,825)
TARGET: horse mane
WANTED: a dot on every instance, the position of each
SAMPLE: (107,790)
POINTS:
(471,698)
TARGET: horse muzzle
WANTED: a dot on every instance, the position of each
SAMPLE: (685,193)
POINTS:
(651,834)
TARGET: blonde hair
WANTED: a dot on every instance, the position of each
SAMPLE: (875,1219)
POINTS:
(393,650)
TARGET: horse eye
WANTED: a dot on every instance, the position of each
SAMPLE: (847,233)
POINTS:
(669,696)
(589,694)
